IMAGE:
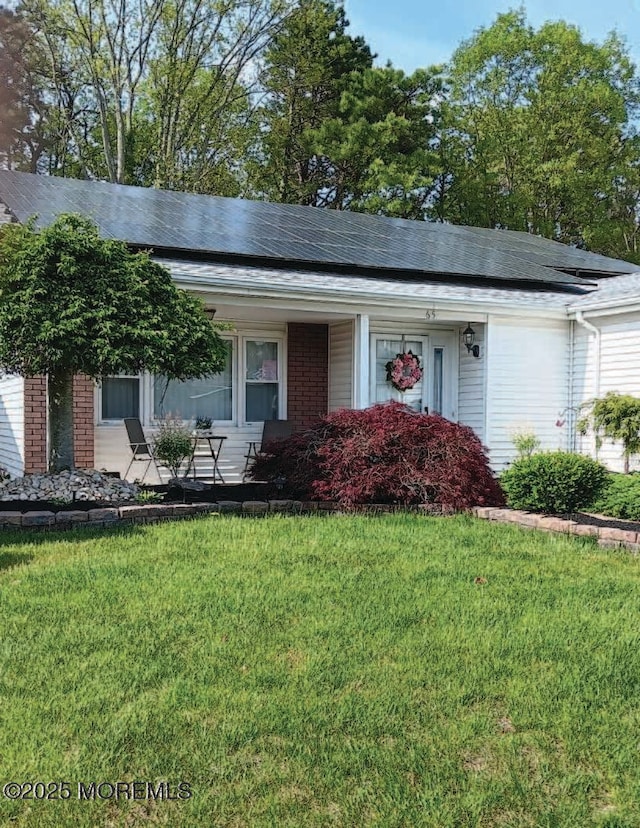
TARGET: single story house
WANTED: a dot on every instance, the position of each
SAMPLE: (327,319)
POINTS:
(319,301)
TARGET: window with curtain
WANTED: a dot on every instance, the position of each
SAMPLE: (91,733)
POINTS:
(210,397)
(262,381)
(120,397)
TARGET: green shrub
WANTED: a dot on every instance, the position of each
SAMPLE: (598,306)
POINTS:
(148,496)
(172,444)
(621,498)
(554,482)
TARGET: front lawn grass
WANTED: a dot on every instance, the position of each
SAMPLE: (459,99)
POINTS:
(336,671)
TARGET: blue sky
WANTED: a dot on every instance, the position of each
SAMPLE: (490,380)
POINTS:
(413,33)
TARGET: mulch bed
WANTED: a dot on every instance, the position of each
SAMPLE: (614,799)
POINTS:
(214,493)
(604,521)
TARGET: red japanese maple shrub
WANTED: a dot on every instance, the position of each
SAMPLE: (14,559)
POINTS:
(384,454)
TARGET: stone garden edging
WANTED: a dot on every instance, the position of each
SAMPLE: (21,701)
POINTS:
(609,537)
(112,516)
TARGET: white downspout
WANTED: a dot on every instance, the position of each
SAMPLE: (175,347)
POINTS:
(596,332)
(571,442)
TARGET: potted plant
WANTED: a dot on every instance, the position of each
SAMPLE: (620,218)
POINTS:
(204,424)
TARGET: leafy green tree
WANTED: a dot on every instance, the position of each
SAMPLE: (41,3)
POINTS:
(338,132)
(204,152)
(617,417)
(145,88)
(72,302)
(199,89)
(537,135)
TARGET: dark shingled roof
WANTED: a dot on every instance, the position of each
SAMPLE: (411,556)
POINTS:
(286,235)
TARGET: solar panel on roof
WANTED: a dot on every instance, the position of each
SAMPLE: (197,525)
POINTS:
(552,253)
(219,227)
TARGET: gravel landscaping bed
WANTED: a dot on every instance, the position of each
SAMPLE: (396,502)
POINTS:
(85,490)
(67,487)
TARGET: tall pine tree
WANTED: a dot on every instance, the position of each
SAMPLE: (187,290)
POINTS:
(307,68)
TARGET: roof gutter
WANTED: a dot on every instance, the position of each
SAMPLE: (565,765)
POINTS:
(621,304)
(596,332)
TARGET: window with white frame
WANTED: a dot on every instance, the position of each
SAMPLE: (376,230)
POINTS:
(443,374)
(248,390)
(262,383)
(438,381)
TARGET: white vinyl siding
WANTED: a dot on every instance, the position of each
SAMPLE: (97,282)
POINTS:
(12,425)
(527,384)
(619,371)
(471,388)
(341,365)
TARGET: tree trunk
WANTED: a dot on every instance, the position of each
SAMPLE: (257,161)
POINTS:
(60,396)
(121,143)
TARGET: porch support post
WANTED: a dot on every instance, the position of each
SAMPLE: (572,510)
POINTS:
(361,350)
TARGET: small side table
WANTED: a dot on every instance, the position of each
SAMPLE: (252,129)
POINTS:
(215,443)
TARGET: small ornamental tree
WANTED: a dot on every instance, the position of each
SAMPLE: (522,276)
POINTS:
(617,417)
(72,302)
(384,454)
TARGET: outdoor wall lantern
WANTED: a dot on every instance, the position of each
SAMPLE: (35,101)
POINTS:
(468,337)
(210,312)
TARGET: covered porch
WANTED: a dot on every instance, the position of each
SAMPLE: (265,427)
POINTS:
(297,366)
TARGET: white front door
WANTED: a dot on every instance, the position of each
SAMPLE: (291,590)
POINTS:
(383,349)
(437,392)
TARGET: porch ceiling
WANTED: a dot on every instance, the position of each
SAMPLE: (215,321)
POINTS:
(260,313)
(247,313)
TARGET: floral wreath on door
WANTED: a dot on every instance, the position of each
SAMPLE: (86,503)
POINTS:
(404,371)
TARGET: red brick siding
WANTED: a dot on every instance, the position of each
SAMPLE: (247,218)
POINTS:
(35,423)
(83,422)
(307,372)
